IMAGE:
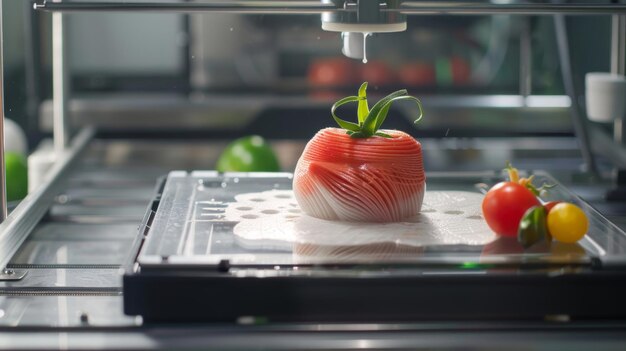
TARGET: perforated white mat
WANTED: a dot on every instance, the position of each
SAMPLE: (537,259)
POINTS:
(272,219)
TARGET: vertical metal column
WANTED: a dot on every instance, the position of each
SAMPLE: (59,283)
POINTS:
(578,118)
(618,44)
(618,65)
(526,60)
(60,83)
(198,73)
(32,55)
(3,184)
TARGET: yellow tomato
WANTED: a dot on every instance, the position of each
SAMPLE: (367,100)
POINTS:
(567,223)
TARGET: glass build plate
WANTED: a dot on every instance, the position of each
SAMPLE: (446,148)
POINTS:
(205,218)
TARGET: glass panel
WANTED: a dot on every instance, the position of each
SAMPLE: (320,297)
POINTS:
(77,244)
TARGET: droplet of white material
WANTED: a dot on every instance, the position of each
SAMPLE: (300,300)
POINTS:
(365,35)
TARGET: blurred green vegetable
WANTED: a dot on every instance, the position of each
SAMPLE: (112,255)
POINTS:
(16,176)
(248,154)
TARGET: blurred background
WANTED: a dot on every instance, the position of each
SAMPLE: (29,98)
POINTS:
(228,75)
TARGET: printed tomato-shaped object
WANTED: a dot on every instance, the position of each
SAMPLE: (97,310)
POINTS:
(374,179)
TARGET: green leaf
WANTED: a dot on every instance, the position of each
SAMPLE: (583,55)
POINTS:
(419,106)
(532,227)
(345,124)
(370,122)
(359,135)
(364,109)
(382,115)
(384,135)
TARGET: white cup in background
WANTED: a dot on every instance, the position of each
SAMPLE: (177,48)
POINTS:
(605,96)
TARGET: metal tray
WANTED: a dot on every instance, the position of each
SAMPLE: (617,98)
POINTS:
(212,263)
(205,219)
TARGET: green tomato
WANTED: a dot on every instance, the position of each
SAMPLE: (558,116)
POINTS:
(16,176)
(532,227)
(248,154)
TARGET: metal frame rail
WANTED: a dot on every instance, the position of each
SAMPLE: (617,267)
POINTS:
(308,7)
(3,189)
(17,226)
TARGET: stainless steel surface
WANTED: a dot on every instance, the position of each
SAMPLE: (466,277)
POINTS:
(102,212)
(16,228)
(424,336)
(60,82)
(77,244)
(49,280)
(3,183)
(10,275)
(51,312)
(303,7)
(367,17)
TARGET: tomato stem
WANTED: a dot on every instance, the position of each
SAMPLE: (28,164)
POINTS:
(370,121)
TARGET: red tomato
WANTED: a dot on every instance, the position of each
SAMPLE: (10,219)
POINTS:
(331,72)
(504,206)
(376,73)
(417,74)
(549,205)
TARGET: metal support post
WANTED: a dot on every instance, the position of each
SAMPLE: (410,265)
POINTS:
(3,184)
(618,44)
(618,64)
(60,83)
(526,60)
